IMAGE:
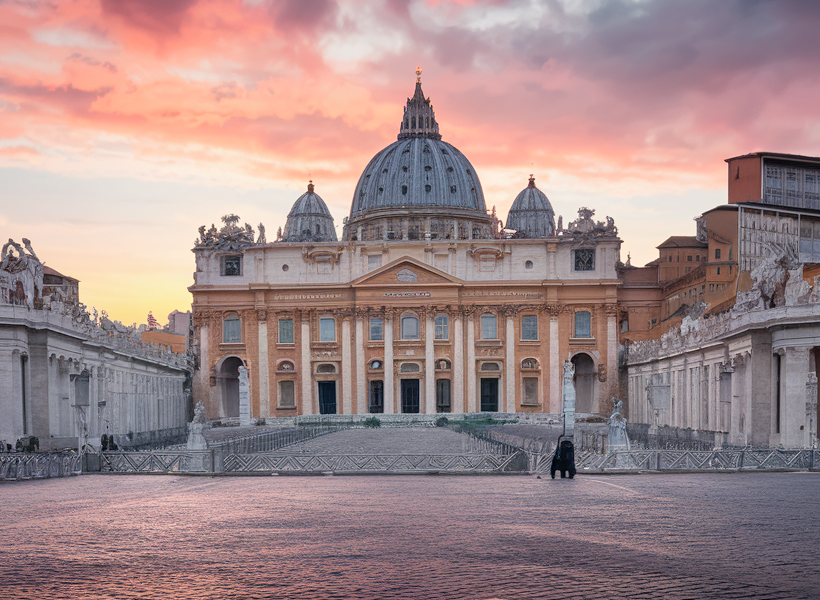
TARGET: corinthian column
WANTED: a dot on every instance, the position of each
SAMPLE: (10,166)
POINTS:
(388,362)
(470,365)
(263,369)
(429,364)
(555,368)
(509,343)
(307,376)
(361,392)
(347,378)
(458,363)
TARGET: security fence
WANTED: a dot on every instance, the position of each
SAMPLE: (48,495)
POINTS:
(39,465)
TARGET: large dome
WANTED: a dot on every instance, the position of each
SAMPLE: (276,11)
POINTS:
(419,186)
(418,173)
(309,220)
(531,214)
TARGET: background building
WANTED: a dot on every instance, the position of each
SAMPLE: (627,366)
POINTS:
(68,377)
(738,344)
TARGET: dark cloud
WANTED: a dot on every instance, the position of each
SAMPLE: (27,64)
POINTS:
(158,17)
(93,62)
(67,97)
(303,15)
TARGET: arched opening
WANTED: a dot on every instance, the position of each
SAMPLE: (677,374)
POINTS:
(229,378)
(584,382)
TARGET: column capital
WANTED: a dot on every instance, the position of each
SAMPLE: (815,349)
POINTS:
(261,315)
(611,310)
(510,310)
(553,310)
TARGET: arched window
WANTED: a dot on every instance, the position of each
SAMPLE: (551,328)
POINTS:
(409,368)
(443,364)
(231,330)
(286,365)
(409,327)
(326,368)
(529,363)
(376,365)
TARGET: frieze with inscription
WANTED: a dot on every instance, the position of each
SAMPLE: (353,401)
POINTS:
(505,294)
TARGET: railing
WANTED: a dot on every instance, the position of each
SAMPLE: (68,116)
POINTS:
(158,461)
(39,465)
(269,441)
(374,463)
(745,459)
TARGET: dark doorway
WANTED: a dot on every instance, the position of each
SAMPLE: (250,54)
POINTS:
(229,374)
(409,395)
(327,397)
(376,401)
(489,394)
(584,382)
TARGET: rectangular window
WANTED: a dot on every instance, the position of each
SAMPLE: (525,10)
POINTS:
(327,329)
(530,390)
(409,328)
(287,398)
(717,253)
(443,395)
(442,327)
(697,258)
(285,331)
(231,266)
(529,327)
(231,330)
(718,270)
(583,324)
(489,327)
(374,261)
(376,329)
(585,259)
(688,258)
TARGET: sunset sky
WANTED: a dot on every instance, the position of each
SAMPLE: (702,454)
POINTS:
(127,124)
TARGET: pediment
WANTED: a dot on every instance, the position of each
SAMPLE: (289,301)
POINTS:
(406,271)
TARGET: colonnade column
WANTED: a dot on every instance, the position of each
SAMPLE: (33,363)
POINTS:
(793,406)
(510,360)
(470,405)
(388,361)
(556,371)
(307,368)
(347,379)
(611,353)
(458,364)
(429,363)
(263,368)
(361,392)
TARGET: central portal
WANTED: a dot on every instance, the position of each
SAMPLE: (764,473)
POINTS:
(489,394)
(409,395)
(327,397)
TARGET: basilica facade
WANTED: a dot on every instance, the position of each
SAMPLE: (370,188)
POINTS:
(427,304)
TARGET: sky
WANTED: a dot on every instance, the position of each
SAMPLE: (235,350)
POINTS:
(127,124)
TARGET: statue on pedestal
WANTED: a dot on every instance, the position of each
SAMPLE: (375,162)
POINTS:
(196,439)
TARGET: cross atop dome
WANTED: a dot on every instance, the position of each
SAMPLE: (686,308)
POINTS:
(419,119)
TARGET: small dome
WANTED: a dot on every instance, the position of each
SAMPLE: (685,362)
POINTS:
(309,220)
(531,214)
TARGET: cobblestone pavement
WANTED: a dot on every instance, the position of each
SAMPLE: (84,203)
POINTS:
(670,537)
(392,440)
